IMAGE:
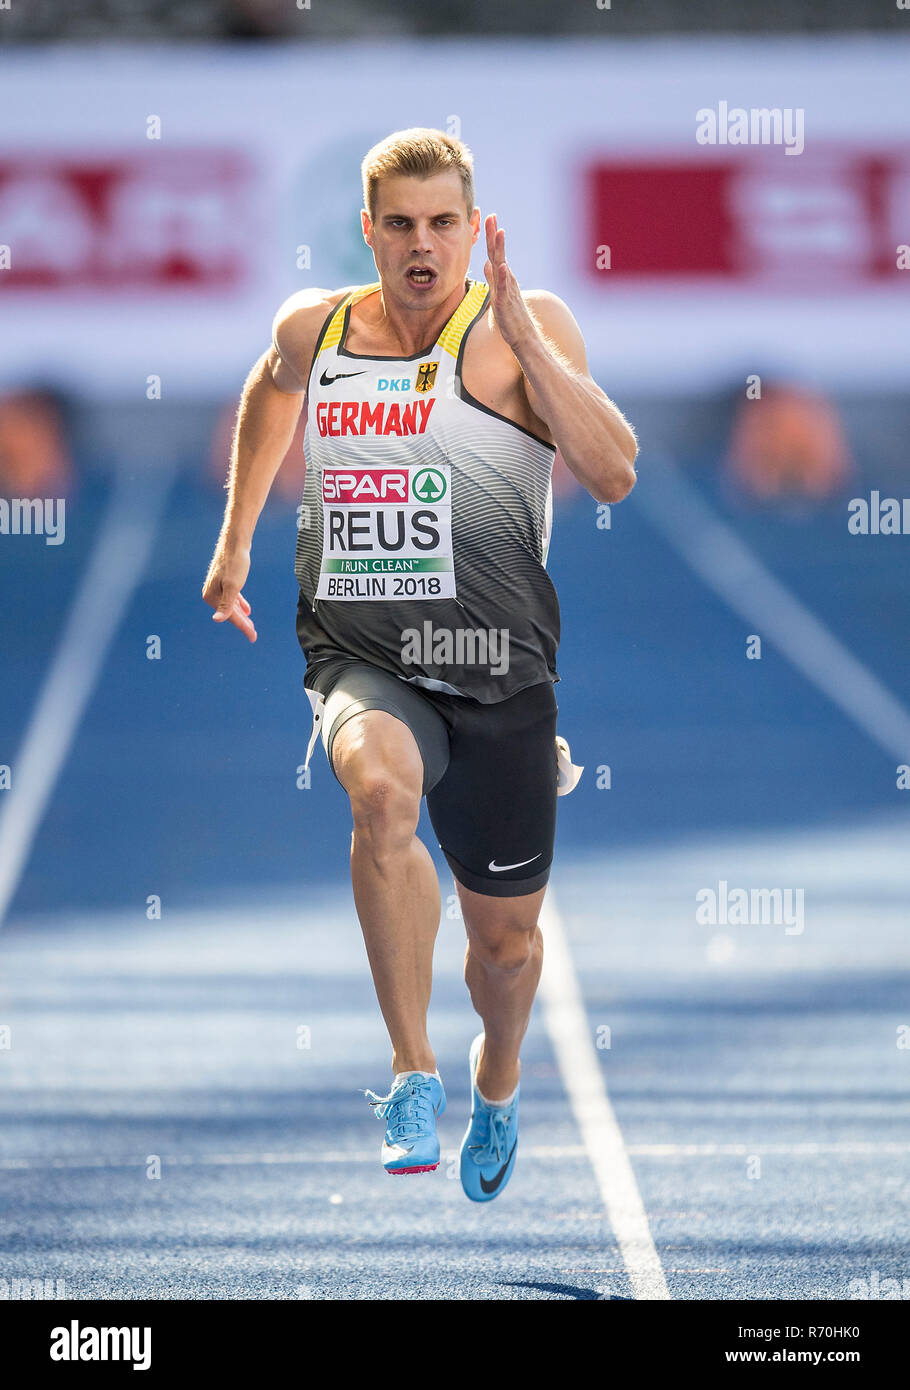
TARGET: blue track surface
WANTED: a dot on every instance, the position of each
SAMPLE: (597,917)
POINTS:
(177,1037)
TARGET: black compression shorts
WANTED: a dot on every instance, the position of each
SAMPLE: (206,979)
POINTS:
(489,769)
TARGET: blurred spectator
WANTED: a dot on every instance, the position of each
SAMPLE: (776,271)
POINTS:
(288,485)
(565,484)
(35,458)
(788,443)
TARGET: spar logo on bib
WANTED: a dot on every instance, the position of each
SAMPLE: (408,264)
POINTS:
(429,485)
(366,484)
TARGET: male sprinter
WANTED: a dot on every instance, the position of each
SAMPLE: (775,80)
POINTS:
(429,623)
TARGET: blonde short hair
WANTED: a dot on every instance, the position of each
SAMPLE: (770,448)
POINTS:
(417,153)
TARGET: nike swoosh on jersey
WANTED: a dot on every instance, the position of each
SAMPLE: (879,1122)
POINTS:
(501,868)
(326,380)
(493,1183)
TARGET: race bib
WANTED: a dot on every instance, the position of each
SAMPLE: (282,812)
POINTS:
(387,533)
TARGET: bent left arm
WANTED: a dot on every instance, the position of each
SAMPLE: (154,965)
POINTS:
(596,441)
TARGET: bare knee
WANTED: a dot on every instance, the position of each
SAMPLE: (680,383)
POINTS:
(505,951)
(379,766)
(385,807)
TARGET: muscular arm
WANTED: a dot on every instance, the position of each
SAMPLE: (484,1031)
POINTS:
(595,440)
(270,406)
(266,420)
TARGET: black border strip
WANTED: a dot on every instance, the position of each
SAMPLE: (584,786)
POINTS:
(464,394)
(322,332)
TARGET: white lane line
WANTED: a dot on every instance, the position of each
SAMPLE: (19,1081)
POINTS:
(118,560)
(570,1034)
(554,1153)
(718,556)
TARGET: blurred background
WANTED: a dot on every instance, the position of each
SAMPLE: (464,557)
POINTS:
(168,175)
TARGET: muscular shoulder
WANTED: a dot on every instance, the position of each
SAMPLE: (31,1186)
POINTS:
(556,321)
(546,302)
(295,329)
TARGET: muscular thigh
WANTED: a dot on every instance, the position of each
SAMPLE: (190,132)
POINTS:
(374,746)
(491,920)
(373,720)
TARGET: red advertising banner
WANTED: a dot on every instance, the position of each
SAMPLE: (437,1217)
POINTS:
(157,219)
(833,215)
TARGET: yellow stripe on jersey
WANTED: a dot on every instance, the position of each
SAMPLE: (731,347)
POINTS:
(333,332)
(449,339)
(357,295)
(451,336)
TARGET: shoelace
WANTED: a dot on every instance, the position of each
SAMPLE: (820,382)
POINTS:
(410,1100)
(498,1134)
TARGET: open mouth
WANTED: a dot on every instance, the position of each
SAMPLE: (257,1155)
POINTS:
(422,276)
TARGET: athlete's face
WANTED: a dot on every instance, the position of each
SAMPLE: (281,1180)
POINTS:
(421,237)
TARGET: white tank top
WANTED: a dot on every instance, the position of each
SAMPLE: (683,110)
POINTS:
(423,510)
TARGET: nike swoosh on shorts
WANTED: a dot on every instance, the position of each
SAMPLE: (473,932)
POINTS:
(501,868)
